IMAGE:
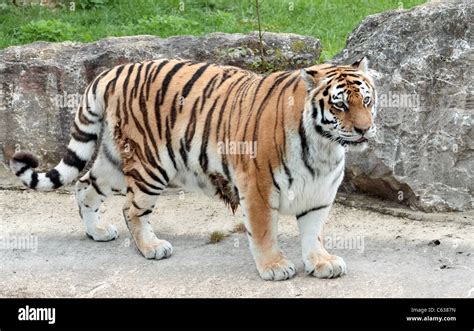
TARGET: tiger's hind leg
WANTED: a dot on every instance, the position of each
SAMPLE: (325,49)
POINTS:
(142,193)
(93,188)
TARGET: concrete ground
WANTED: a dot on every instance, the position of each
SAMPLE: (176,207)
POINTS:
(387,256)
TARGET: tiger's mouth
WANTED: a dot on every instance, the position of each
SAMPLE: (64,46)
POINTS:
(357,141)
(354,142)
(344,140)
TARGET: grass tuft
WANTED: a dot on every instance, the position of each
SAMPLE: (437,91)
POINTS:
(239,228)
(216,237)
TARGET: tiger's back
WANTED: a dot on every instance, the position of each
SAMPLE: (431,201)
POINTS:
(194,114)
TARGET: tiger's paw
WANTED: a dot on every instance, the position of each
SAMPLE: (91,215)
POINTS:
(105,232)
(323,265)
(157,250)
(281,269)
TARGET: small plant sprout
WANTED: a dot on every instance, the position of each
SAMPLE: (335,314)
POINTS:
(239,228)
(216,237)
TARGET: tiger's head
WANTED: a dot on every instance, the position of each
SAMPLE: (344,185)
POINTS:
(341,102)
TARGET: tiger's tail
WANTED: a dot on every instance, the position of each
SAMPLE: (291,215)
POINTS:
(84,135)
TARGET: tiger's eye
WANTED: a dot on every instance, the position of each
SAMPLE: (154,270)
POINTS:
(340,104)
(366,100)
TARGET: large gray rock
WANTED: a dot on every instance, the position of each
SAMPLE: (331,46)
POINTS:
(423,153)
(41,84)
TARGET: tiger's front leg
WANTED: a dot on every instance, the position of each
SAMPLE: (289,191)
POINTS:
(261,222)
(317,261)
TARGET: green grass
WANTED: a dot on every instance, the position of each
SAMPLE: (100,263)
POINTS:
(329,20)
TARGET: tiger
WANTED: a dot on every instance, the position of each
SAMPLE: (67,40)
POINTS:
(167,122)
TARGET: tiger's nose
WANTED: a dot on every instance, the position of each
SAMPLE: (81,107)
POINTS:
(361,131)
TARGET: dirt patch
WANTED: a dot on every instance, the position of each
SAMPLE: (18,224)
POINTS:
(387,256)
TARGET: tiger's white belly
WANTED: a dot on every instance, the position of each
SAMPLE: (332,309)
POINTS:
(307,191)
(192,177)
(194,181)
(299,192)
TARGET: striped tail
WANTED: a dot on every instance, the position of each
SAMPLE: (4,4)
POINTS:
(84,135)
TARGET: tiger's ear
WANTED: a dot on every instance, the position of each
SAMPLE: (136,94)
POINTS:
(308,79)
(362,64)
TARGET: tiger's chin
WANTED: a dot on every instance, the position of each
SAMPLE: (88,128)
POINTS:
(358,147)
